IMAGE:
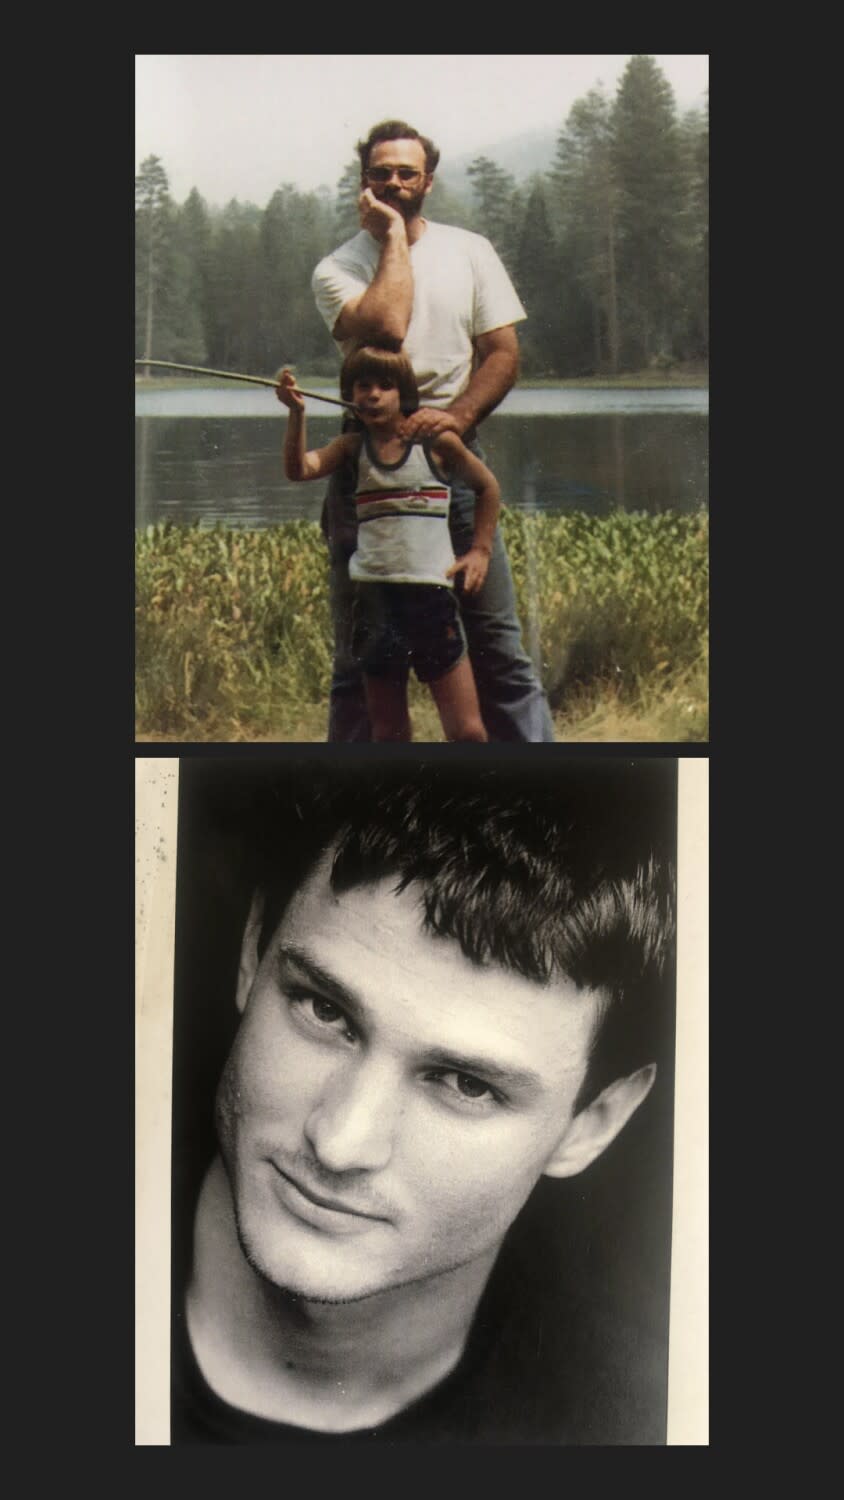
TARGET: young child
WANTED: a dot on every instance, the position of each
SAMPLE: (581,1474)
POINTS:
(405,611)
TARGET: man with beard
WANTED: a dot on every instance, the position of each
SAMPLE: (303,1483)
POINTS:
(451,997)
(443,295)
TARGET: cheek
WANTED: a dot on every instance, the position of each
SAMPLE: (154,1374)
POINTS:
(471,1182)
(270,1077)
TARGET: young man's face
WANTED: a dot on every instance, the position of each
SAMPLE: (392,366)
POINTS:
(402,192)
(388,1106)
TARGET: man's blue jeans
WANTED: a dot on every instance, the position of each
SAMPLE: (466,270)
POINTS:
(513,704)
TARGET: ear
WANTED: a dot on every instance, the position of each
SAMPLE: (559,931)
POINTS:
(595,1126)
(249,951)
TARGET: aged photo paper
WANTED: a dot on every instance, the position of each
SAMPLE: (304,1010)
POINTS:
(156,860)
(156,815)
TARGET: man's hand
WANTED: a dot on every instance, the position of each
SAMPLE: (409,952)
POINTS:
(428,422)
(376,216)
(287,393)
(474,565)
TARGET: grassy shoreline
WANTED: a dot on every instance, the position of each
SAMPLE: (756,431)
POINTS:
(644,380)
(233,628)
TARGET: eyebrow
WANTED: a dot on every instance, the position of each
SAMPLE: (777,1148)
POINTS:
(331,987)
(519,1080)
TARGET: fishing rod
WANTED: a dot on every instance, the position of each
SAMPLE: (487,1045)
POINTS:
(166,364)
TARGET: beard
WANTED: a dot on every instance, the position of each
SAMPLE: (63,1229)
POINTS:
(409,208)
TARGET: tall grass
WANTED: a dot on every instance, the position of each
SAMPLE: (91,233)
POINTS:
(233,633)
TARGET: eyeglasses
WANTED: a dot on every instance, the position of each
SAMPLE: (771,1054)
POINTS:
(383,174)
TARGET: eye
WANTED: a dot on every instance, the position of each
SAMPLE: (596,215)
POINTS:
(465,1087)
(473,1088)
(325,1011)
(320,1014)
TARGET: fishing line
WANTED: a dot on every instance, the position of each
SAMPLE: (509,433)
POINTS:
(166,364)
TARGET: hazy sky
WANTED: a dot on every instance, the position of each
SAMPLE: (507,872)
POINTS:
(239,126)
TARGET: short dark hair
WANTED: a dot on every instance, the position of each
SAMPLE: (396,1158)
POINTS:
(397,130)
(383,363)
(555,879)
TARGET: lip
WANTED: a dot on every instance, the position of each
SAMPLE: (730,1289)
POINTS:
(318,1211)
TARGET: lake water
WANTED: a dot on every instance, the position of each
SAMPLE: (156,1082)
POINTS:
(214,455)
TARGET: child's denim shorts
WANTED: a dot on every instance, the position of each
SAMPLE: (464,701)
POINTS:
(396,626)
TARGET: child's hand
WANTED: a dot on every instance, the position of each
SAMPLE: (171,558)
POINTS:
(474,565)
(287,393)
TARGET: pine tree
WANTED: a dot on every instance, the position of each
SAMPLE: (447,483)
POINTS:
(692,328)
(493,189)
(536,275)
(194,247)
(346,215)
(153,242)
(516,210)
(445,205)
(235,289)
(296,232)
(585,199)
(648,171)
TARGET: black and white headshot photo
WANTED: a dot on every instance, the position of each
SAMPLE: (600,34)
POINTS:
(423,1094)
(420,634)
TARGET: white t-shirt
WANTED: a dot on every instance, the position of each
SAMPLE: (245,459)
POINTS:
(460,290)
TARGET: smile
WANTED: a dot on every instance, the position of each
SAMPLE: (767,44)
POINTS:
(319,1211)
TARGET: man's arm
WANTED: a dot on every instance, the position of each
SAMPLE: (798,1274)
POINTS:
(382,312)
(451,454)
(495,376)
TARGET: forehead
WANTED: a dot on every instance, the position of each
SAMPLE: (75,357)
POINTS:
(384,384)
(367,376)
(417,991)
(401,153)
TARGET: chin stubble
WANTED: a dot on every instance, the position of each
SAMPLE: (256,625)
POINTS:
(288,1293)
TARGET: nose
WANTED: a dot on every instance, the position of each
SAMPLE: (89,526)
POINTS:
(352,1127)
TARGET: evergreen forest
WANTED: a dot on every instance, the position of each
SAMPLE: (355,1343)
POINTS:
(608,249)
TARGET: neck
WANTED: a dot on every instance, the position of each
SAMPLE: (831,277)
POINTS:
(333,1368)
(383,438)
(415,228)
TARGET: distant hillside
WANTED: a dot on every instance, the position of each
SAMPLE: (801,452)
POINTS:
(531,151)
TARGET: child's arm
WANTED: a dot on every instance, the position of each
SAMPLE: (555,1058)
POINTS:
(455,458)
(299,464)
